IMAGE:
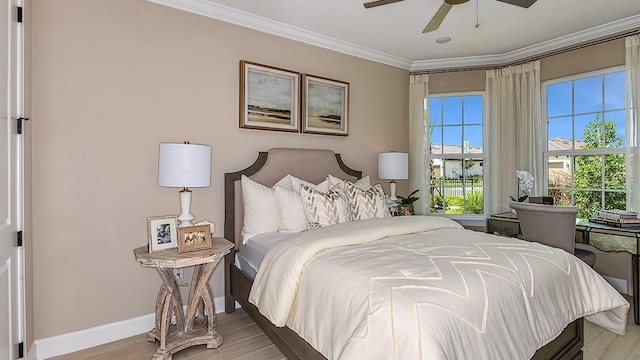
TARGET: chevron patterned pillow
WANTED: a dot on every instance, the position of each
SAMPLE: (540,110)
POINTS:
(322,209)
(366,204)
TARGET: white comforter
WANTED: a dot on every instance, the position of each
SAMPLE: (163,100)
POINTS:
(419,287)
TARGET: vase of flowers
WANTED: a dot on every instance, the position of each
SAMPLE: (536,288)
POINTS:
(525,184)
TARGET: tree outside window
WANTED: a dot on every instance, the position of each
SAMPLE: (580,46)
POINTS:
(585,142)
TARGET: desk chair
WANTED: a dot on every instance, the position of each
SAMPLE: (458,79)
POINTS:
(553,226)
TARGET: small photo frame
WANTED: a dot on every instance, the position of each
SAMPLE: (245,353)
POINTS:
(163,232)
(325,106)
(269,98)
(193,238)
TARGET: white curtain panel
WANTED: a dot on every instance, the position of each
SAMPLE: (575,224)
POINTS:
(419,140)
(512,132)
(529,126)
(633,128)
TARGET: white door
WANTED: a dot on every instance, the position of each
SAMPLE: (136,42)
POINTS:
(11,255)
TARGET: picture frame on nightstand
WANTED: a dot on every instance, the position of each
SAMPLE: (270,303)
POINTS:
(162,232)
(194,238)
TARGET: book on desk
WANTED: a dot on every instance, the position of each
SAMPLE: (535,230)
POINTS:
(619,218)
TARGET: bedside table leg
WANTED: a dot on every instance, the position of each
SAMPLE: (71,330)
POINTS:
(201,296)
(169,282)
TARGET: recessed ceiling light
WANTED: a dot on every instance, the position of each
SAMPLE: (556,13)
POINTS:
(443,40)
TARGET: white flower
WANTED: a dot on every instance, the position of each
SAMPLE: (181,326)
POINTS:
(525,181)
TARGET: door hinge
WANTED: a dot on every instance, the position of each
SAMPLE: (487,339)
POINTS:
(19,126)
(21,350)
(19,14)
(19,238)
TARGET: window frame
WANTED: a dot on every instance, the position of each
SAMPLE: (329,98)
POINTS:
(466,219)
(573,153)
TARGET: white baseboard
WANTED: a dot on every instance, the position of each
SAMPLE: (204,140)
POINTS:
(618,284)
(79,340)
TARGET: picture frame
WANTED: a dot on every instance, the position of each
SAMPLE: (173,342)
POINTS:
(325,106)
(194,238)
(162,232)
(269,98)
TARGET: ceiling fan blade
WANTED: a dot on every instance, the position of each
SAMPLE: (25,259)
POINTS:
(371,4)
(434,24)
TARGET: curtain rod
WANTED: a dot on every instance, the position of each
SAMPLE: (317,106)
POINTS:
(531,58)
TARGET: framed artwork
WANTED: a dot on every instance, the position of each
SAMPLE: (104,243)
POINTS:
(269,98)
(163,233)
(325,106)
(193,238)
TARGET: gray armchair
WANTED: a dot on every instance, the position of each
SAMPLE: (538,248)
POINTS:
(553,226)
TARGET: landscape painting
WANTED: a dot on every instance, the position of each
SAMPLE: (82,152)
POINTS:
(269,97)
(325,106)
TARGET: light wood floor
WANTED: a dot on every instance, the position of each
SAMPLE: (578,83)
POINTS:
(243,340)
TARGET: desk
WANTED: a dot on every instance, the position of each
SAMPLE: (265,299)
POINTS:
(196,327)
(603,237)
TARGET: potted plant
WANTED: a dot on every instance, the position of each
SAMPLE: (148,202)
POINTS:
(406,203)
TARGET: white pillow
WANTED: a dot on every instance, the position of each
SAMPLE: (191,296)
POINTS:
(323,209)
(366,204)
(260,208)
(285,182)
(364,183)
(322,187)
(290,210)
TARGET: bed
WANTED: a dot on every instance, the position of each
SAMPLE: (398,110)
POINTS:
(314,166)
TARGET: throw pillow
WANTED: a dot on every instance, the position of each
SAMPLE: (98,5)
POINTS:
(260,208)
(364,183)
(366,204)
(290,210)
(323,209)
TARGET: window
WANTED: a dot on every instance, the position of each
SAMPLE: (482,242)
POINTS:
(456,154)
(585,153)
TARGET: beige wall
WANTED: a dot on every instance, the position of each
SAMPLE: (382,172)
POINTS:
(457,82)
(592,58)
(111,80)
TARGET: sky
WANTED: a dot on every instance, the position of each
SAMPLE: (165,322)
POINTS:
(593,95)
(462,115)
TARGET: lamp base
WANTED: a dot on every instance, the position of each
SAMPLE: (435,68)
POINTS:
(185,216)
(392,190)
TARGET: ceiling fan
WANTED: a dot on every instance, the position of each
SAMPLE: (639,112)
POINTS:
(444,9)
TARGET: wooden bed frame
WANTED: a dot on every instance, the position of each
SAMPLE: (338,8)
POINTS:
(270,167)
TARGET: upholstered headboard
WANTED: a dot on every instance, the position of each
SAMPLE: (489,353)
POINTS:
(312,165)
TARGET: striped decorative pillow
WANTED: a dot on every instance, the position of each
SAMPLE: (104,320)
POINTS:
(322,209)
(366,204)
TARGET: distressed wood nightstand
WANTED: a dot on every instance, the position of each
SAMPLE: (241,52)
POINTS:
(196,327)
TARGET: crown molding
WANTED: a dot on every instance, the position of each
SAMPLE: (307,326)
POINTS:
(226,14)
(262,24)
(626,24)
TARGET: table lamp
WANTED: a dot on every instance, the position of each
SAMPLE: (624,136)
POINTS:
(393,166)
(184,166)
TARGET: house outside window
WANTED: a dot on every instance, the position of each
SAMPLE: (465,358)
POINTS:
(456,154)
(585,137)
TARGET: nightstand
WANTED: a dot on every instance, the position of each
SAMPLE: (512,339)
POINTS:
(198,325)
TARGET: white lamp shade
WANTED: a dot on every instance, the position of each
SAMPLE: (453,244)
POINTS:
(393,166)
(184,165)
